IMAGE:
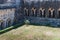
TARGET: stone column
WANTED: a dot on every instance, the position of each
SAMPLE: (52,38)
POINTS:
(27,12)
(31,13)
(40,12)
(43,12)
(52,13)
(12,22)
(5,24)
(0,25)
(24,11)
(58,13)
(34,12)
(49,14)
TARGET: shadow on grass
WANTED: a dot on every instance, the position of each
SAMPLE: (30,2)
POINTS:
(10,28)
(20,24)
(47,25)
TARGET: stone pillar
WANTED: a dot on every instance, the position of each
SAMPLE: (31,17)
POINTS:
(11,22)
(52,14)
(47,13)
(0,25)
(43,12)
(4,24)
(55,13)
(34,12)
(27,12)
(58,14)
(40,12)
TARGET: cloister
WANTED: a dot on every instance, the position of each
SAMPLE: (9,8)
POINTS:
(45,11)
(6,17)
(42,13)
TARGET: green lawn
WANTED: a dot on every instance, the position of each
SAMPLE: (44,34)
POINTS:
(32,32)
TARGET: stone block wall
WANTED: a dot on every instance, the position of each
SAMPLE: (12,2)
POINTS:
(52,21)
(44,21)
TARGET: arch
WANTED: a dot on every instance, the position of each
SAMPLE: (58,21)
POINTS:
(2,27)
(8,22)
(49,10)
(59,13)
(26,12)
(51,13)
(33,11)
(42,12)
(1,24)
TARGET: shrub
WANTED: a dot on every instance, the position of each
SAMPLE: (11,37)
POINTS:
(27,22)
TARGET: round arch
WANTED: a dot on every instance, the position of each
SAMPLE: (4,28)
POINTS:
(1,24)
(58,13)
(42,12)
(8,22)
(33,11)
(51,12)
(26,12)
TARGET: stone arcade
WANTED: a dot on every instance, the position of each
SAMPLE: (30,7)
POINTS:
(6,17)
(43,12)
(10,13)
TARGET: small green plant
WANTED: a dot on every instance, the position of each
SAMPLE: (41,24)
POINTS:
(27,22)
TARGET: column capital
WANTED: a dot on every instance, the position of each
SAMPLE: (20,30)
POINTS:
(49,9)
(40,8)
(25,8)
(33,9)
(59,9)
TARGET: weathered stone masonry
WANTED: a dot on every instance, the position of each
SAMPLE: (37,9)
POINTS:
(11,13)
(6,17)
(43,12)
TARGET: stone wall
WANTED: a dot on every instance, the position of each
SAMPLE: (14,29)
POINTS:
(35,16)
(6,17)
(44,21)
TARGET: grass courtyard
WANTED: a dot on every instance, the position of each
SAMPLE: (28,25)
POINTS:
(32,32)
